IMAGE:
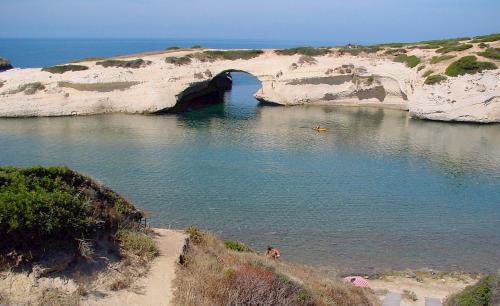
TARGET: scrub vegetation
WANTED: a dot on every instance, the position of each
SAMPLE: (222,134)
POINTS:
(231,55)
(173,48)
(89,59)
(218,273)
(99,87)
(486,38)
(410,61)
(434,79)
(468,65)
(486,292)
(441,58)
(309,51)
(137,63)
(356,50)
(47,208)
(178,60)
(454,48)
(493,53)
(59,69)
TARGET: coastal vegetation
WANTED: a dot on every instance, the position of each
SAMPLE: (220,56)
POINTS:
(468,65)
(98,87)
(27,89)
(178,60)
(486,38)
(59,69)
(440,43)
(356,50)
(308,51)
(218,273)
(231,55)
(493,53)
(42,208)
(89,59)
(173,48)
(307,59)
(486,292)
(410,61)
(136,63)
(434,79)
(5,64)
(441,58)
(428,73)
(197,47)
(453,48)
(238,246)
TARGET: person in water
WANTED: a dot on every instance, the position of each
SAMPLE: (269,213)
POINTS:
(274,253)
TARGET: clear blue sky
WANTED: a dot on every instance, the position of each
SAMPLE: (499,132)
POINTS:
(363,21)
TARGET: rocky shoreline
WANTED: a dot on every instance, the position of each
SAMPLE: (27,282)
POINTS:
(409,77)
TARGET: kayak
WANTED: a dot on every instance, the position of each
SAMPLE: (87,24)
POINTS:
(319,129)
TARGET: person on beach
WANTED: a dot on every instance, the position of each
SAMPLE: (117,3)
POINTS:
(274,253)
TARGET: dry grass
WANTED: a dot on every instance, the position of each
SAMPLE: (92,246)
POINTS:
(214,275)
(99,87)
(137,243)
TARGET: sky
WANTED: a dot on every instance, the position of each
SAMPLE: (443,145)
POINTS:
(339,21)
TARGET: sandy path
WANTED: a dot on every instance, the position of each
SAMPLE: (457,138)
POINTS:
(156,288)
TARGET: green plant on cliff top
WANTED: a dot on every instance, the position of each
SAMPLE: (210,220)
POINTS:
(493,53)
(410,61)
(64,68)
(485,293)
(468,65)
(178,61)
(308,51)
(434,79)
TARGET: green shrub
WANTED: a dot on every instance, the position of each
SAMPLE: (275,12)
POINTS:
(238,246)
(197,47)
(89,59)
(137,63)
(356,50)
(137,243)
(493,53)
(435,44)
(454,48)
(173,48)
(434,79)
(486,38)
(410,61)
(483,46)
(486,292)
(64,68)
(195,234)
(437,59)
(178,61)
(308,51)
(395,51)
(468,65)
(428,73)
(209,56)
(40,205)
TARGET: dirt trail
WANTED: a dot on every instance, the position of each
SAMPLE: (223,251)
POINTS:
(155,289)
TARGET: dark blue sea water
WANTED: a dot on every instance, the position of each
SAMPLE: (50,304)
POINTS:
(24,52)
(377,191)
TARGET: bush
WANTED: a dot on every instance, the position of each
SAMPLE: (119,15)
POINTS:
(238,246)
(486,38)
(486,292)
(438,59)
(64,68)
(395,51)
(40,205)
(483,45)
(435,44)
(427,73)
(89,59)
(137,63)
(410,61)
(493,53)
(5,64)
(195,234)
(360,49)
(309,51)
(209,56)
(137,243)
(197,47)
(468,65)
(173,48)
(434,79)
(454,48)
(178,61)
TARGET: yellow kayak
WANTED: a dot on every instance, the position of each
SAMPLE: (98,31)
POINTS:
(319,129)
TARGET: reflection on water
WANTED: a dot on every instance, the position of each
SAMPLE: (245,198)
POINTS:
(377,190)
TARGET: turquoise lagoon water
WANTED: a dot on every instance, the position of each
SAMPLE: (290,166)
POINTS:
(377,191)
